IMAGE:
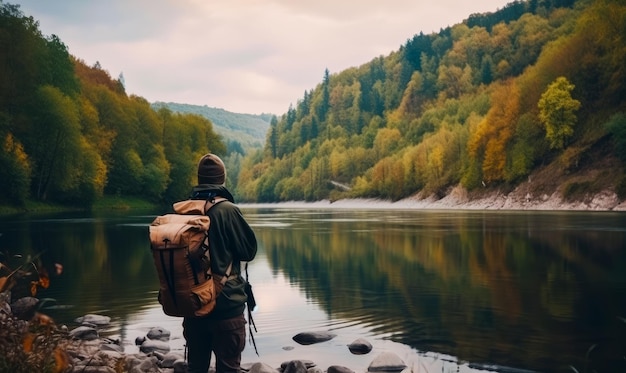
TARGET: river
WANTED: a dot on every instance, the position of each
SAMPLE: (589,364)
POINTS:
(446,291)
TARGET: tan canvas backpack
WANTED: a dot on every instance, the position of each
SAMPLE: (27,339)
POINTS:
(179,244)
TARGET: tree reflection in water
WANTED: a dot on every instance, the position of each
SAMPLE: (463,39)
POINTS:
(532,290)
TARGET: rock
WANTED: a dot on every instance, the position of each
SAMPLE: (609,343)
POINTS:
(180,366)
(307,363)
(98,320)
(339,369)
(111,347)
(25,308)
(150,346)
(169,359)
(159,334)
(116,355)
(295,366)
(308,338)
(84,333)
(360,347)
(386,362)
(159,355)
(147,365)
(92,369)
(5,299)
(261,368)
(132,362)
(139,340)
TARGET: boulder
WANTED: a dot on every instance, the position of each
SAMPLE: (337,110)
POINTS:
(339,369)
(307,363)
(261,368)
(84,333)
(139,340)
(360,347)
(169,359)
(387,362)
(25,308)
(150,346)
(295,366)
(98,320)
(180,366)
(159,334)
(308,338)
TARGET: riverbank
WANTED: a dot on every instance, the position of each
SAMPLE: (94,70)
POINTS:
(522,198)
(82,348)
(107,203)
(461,199)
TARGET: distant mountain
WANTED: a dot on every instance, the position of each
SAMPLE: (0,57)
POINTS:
(247,129)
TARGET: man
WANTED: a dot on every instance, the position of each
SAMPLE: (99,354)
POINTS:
(231,240)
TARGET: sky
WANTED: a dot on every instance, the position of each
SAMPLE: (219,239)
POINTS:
(244,56)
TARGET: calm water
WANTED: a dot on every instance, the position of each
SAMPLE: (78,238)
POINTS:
(447,291)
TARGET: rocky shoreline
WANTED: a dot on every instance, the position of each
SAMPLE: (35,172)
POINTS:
(460,199)
(93,354)
(86,351)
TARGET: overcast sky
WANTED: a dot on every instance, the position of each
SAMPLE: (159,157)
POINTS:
(243,56)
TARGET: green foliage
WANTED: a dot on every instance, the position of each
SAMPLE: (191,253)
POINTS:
(248,129)
(15,168)
(458,106)
(617,128)
(577,190)
(526,145)
(467,105)
(464,105)
(55,146)
(557,112)
(70,134)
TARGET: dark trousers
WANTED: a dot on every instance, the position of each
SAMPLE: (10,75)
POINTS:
(225,338)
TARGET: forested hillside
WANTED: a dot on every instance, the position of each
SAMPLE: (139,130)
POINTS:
(70,134)
(531,93)
(534,89)
(241,132)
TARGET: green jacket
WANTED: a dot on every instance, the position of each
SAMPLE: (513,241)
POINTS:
(231,239)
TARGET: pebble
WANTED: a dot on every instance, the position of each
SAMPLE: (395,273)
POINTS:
(91,354)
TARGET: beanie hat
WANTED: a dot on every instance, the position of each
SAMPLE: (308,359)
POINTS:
(211,170)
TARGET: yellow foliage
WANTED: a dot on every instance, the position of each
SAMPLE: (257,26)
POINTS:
(61,360)
(27,342)
(386,141)
(4,281)
(14,147)
(491,137)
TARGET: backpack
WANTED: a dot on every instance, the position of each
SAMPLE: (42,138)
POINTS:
(179,244)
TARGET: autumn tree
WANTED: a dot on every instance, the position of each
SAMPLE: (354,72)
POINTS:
(557,112)
(490,139)
(15,169)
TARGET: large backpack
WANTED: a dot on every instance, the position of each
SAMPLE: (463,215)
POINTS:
(179,244)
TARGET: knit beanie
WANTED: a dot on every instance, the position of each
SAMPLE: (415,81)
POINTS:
(211,170)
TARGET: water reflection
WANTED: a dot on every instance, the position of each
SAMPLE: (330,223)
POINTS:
(533,291)
(527,290)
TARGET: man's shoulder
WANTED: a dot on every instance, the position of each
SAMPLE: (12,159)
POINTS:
(223,206)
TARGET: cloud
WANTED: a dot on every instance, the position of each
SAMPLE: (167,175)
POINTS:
(244,56)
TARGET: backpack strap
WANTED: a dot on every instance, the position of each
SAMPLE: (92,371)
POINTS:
(207,206)
(251,322)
